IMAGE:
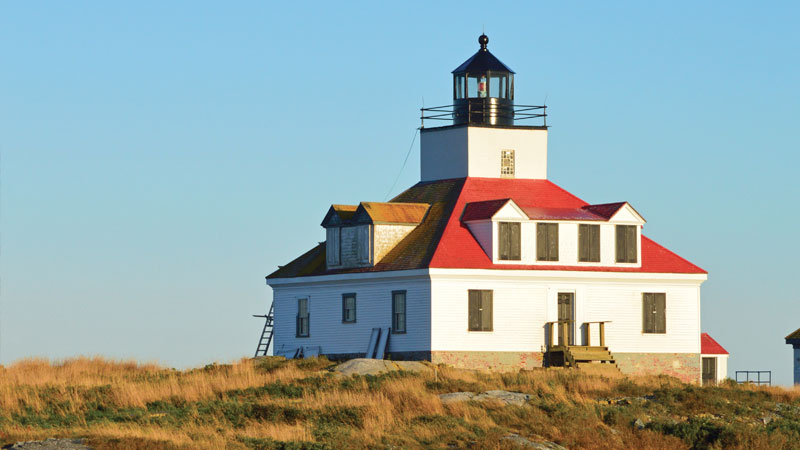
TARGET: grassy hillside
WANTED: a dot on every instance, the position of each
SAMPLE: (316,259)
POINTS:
(273,403)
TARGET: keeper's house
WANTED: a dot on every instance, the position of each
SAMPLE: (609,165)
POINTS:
(486,264)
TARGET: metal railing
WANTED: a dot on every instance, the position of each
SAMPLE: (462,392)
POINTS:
(745,377)
(515,112)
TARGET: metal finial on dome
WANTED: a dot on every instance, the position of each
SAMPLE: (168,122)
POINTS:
(483,40)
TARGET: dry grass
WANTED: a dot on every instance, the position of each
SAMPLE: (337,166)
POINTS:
(273,403)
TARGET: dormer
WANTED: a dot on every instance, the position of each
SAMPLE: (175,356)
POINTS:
(360,236)
(593,235)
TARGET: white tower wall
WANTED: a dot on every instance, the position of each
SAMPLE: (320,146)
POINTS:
(475,151)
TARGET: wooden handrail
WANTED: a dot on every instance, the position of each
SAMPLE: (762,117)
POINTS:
(602,325)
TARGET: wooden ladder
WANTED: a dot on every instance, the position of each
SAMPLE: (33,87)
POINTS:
(266,333)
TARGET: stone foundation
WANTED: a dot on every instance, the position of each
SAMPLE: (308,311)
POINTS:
(685,366)
(499,361)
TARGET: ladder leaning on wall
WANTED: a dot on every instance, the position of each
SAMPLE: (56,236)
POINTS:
(266,333)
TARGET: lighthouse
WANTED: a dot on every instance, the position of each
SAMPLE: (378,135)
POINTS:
(486,134)
(487,264)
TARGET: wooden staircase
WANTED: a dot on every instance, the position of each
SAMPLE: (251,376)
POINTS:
(588,358)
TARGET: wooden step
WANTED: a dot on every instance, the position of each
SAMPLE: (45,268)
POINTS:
(591,356)
(604,369)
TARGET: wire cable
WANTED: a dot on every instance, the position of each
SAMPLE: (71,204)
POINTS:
(413,140)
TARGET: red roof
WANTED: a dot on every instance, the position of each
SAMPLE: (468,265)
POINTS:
(606,210)
(443,240)
(560,214)
(458,249)
(483,210)
(708,346)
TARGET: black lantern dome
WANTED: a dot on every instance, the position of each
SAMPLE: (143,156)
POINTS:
(483,89)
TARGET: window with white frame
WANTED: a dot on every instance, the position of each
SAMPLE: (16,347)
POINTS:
(303,318)
(399,312)
(507,163)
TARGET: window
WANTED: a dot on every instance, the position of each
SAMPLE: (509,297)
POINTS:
(480,310)
(398,312)
(626,244)
(363,244)
(509,239)
(303,317)
(333,249)
(349,308)
(547,241)
(654,313)
(588,243)
(507,164)
(459,87)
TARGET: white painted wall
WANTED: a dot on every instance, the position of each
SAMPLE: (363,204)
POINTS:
(797,366)
(522,305)
(483,232)
(486,233)
(437,309)
(373,310)
(443,153)
(722,366)
(474,151)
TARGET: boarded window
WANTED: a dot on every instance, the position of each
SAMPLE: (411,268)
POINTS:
(333,249)
(654,312)
(626,244)
(348,308)
(399,312)
(364,244)
(303,318)
(480,310)
(547,241)
(589,243)
(507,164)
(509,241)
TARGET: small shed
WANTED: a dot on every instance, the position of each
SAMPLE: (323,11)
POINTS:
(794,340)
(715,360)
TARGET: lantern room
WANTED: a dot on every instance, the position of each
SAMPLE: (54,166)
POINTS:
(483,89)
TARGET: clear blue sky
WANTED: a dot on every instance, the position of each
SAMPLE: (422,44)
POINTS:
(160,158)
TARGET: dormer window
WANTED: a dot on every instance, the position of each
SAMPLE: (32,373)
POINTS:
(626,244)
(509,241)
(547,241)
(507,164)
(362,235)
(588,243)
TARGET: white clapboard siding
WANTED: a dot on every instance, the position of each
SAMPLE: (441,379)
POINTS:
(373,310)
(518,316)
(522,306)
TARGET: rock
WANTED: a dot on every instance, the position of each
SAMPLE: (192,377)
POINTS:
(638,424)
(364,366)
(50,444)
(509,398)
(527,443)
(457,397)
(625,401)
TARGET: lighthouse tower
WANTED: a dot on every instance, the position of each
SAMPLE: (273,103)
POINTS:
(489,136)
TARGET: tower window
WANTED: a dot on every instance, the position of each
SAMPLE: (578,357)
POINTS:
(507,164)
